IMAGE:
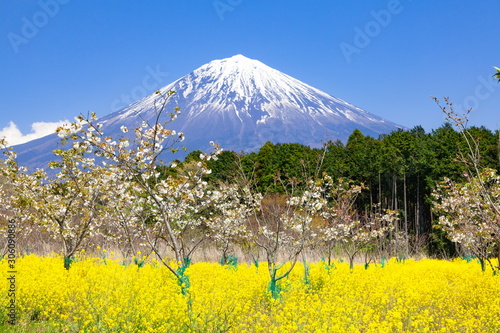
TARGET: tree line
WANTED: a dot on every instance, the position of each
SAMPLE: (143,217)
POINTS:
(399,170)
(397,195)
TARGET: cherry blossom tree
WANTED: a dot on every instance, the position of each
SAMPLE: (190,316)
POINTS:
(469,214)
(14,200)
(70,205)
(65,206)
(125,215)
(345,227)
(180,207)
(229,226)
(470,210)
(282,227)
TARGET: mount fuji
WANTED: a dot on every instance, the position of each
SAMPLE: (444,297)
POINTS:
(239,103)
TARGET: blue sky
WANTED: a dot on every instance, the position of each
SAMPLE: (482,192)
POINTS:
(60,58)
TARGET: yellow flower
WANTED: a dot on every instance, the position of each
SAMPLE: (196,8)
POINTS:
(411,296)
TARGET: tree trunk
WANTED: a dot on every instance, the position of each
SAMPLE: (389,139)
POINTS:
(351,262)
(67,262)
(371,195)
(498,131)
(498,256)
(406,213)
(380,192)
(417,209)
(395,197)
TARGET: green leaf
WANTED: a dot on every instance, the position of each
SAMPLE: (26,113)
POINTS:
(497,74)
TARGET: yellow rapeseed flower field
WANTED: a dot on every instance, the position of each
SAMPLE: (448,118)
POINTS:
(103,295)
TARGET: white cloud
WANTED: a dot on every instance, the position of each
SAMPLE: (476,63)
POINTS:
(39,129)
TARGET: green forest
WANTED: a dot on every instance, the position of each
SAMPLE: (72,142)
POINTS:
(407,193)
(400,171)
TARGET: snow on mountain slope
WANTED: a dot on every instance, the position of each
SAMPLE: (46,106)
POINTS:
(241,103)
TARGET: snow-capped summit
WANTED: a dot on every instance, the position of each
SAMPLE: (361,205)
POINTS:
(242,103)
